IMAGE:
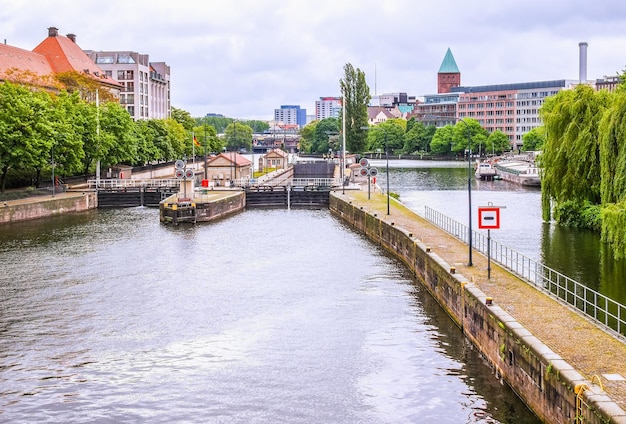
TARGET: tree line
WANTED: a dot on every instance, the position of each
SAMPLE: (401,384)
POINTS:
(66,128)
(412,137)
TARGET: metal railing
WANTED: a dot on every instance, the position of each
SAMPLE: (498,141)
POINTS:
(289,181)
(604,311)
(128,183)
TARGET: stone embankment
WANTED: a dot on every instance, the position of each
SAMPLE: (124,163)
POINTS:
(45,206)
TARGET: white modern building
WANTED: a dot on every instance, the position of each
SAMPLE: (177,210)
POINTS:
(327,107)
(146,85)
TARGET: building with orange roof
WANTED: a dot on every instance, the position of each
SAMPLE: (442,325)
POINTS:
(227,167)
(56,54)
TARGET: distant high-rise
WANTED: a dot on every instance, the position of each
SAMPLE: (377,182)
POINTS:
(327,107)
(448,76)
(290,115)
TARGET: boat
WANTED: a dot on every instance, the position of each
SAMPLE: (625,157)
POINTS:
(485,171)
(519,171)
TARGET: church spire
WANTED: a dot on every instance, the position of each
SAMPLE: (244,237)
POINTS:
(449,75)
(448,66)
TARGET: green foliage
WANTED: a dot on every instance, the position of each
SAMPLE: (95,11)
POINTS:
(534,139)
(441,142)
(356,97)
(183,117)
(37,127)
(497,142)
(580,215)
(418,137)
(390,132)
(238,136)
(325,136)
(207,137)
(477,136)
(307,136)
(614,227)
(570,160)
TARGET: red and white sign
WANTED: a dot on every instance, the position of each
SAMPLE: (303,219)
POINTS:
(489,218)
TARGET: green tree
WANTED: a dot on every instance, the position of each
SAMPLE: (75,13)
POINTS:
(497,142)
(25,130)
(326,136)
(356,97)
(418,137)
(116,141)
(69,125)
(570,160)
(183,117)
(441,143)
(391,132)
(144,136)
(238,136)
(178,137)
(207,137)
(534,139)
(477,136)
(307,135)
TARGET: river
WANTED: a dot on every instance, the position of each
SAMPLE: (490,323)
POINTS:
(268,316)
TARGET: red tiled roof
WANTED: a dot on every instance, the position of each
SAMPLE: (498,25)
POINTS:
(64,55)
(13,58)
(231,157)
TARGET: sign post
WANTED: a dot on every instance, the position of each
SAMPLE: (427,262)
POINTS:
(367,171)
(489,218)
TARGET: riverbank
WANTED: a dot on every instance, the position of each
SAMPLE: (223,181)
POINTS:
(37,207)
(539,346)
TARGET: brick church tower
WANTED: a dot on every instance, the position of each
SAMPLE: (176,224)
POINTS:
(448,75)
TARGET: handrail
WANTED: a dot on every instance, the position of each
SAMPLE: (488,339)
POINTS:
(606,312)
(128,183)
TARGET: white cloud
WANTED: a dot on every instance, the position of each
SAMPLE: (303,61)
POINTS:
(244,58)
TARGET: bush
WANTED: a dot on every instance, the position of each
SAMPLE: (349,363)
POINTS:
(579,215)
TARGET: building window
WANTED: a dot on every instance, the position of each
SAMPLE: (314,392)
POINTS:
(125,75)
(131,110)
(104,59)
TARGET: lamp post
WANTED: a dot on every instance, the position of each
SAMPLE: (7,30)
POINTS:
(205,150)
(387,169)
(469,182)
(52,163)
(343,144)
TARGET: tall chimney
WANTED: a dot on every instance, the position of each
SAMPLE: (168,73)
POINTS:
(72,37)
(582,66)
(53,32)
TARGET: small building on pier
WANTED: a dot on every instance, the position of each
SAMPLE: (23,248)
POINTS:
(227,167)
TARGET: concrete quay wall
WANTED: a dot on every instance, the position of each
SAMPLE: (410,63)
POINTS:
(203,208)
(24,210)
(553,389)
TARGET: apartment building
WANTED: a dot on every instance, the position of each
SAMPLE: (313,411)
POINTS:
(327,107)
(290,115)
(146,85)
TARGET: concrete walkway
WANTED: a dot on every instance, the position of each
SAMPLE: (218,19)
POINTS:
(595,353)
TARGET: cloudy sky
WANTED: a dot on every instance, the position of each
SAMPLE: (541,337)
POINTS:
(244,58)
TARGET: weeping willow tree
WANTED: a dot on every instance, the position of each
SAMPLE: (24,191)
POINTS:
(570,160)
(613,181)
